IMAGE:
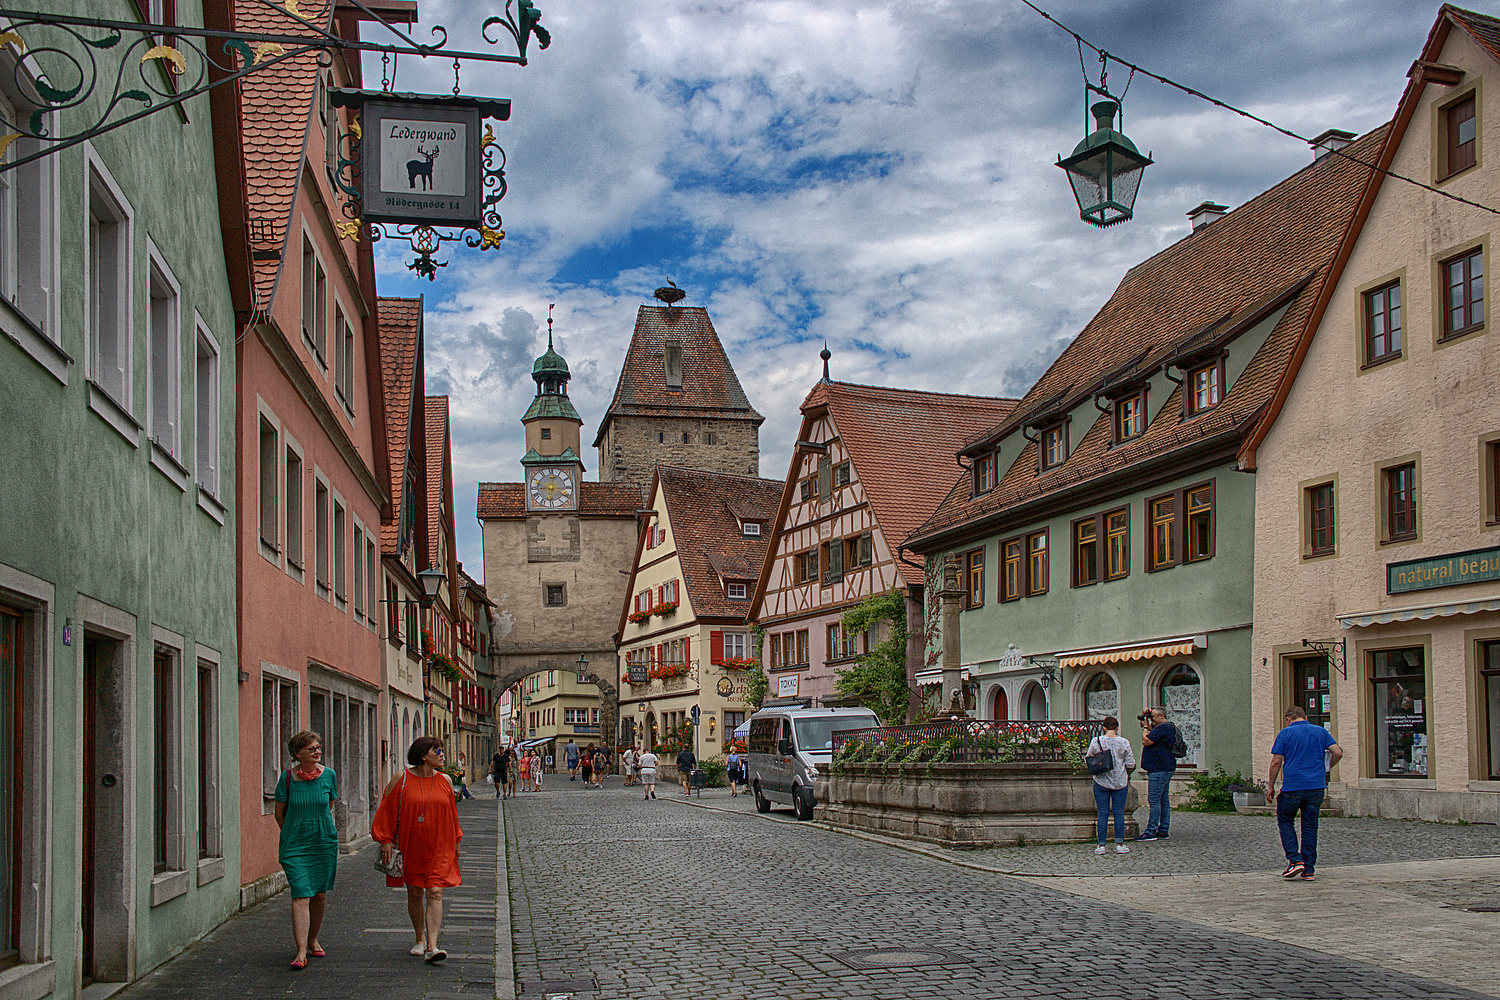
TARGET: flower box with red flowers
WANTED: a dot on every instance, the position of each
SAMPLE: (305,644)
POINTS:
(636,617)
(740,663)
(665,608)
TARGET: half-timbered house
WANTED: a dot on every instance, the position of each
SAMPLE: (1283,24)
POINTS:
(870,464)
(684,640)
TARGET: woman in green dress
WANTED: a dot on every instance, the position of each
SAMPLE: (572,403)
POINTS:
(309,841)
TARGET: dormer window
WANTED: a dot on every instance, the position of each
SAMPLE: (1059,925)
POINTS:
(674,364)
(750,529)
(736,591)
(1054,446)
(984,473)
(1203,389)
(1130,417)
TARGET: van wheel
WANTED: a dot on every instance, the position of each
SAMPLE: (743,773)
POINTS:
(761,805)
(802,802)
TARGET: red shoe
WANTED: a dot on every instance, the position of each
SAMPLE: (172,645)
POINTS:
(318,953)
(298,964)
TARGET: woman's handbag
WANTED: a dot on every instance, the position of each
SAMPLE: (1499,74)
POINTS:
(395,867)
(1100,761)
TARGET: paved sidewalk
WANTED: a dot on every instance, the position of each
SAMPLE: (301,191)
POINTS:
(366,933)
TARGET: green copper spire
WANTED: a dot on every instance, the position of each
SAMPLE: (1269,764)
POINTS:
(551,375)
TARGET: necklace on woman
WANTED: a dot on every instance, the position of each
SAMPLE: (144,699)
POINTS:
(308,775)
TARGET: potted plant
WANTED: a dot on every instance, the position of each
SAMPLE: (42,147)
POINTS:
(1248,794)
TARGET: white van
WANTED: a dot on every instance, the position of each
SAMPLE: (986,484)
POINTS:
(791,749)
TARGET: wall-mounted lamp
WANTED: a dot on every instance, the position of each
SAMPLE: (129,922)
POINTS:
(432,583)
(711,723)
(1051,673)
(583,668)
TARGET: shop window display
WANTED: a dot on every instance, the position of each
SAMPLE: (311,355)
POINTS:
(1490,677)
(1400,698)
(1101,697)
(1182,697)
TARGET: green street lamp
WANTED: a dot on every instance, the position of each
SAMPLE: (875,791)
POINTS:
(1105,170)
(583,668)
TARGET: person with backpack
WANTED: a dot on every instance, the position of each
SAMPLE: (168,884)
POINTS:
(1111,783)
(600,763)
(686,761)
(1160,741)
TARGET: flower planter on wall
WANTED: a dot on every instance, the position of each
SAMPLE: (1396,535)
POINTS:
(969,805)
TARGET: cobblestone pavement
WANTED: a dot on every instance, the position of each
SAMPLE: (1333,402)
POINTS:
(664,887)
(366,934)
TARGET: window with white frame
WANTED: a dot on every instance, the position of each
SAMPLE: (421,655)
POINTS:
(322,551)
(359,571)
(736,645)
(340,555)
(735,591)
(278,721)
(269,455)
(167,760)
(206,425)
(371,578)
(108,288)
(346,367)
(28,211)
(294,520)
(210,829)
(165,353)
(314,302)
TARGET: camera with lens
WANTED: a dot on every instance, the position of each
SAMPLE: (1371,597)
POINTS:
(1144,718)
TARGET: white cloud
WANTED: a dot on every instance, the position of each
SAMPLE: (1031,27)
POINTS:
(879,174)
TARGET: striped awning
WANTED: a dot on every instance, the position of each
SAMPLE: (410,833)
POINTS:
(1119,654)
(1417,612)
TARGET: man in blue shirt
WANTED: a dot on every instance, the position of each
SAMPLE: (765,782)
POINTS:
(570,752)
(1157,737)
(1306,753)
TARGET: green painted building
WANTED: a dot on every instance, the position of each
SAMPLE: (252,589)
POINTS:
(118,670)
(1104,534)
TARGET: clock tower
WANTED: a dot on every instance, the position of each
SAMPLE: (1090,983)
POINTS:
(552,464)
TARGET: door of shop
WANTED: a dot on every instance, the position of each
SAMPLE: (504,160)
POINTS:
(1310,688)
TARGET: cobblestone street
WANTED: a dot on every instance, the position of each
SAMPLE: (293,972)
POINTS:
(615,897)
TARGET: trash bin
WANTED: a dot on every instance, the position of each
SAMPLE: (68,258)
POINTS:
(696,778)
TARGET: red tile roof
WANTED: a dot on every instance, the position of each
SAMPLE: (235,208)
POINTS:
(400,348)
(1484,29)
(1277,247)
(708,379)
(705,509)
(275,112)
(901,443)
(499,501)
(439,471)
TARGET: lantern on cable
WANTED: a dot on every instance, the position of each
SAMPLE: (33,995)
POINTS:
(1105,168)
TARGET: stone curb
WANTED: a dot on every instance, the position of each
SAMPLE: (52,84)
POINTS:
(505,956)
(917,847)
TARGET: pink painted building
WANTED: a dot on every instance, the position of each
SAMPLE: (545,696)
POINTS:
(310,432)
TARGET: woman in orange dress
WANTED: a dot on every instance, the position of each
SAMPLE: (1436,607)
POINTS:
(418,814)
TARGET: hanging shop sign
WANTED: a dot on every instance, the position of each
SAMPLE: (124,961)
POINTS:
(1475,566)
(423,160)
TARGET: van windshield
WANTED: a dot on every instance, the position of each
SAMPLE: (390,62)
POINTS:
(817,734)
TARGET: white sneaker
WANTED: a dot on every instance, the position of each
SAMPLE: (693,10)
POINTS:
(419,949)
(1121,849)
(1100,849)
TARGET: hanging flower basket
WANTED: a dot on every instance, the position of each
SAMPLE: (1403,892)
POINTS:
(636,617)
(665,608)
(664,670)
(740,663)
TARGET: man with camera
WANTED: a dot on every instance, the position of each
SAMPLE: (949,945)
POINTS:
(1157,738)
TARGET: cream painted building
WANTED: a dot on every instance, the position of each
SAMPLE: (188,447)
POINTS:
(683,628)
(1377,527)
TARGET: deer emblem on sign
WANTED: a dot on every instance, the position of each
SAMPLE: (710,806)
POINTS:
(421,168)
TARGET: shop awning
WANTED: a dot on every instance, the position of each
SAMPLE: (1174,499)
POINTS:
(933,676)
(1181,646)
(1416,612)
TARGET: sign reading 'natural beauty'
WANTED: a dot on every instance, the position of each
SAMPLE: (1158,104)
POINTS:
(1474,566)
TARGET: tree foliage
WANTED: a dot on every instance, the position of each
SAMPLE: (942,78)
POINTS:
(878,678)
(757,684)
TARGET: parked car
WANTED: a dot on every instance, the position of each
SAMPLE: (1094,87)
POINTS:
(791,749)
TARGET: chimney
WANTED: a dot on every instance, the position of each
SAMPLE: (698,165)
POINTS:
(1334,138)
(1206,213)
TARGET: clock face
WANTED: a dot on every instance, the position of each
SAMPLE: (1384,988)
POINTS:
(550,488)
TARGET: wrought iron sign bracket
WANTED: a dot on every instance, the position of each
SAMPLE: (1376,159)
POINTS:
(58,78)
(1335,649)
(423,239)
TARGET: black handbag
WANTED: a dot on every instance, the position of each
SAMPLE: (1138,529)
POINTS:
(1101,761)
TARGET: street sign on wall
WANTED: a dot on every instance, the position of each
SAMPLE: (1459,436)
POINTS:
(786,686)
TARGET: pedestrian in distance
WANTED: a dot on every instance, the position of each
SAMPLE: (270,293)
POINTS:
(1159,738)
(512,771)
(648,773)
(419,815)
(525,771)
(586,764)
(1112,786)
(497,772)
(686,761)
(733,770)
(463,773)
(600,763)
(628,763)
(1302,755)
(309,845)
(536,770)
(571,755)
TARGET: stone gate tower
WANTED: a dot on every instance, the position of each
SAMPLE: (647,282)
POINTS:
(678,403)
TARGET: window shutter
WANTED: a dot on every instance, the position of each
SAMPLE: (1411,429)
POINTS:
(866,548)
(716,647)
(835,560)
(687,654)
(825,476)
(661,593)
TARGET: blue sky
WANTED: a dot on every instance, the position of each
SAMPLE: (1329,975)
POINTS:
(877,174)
